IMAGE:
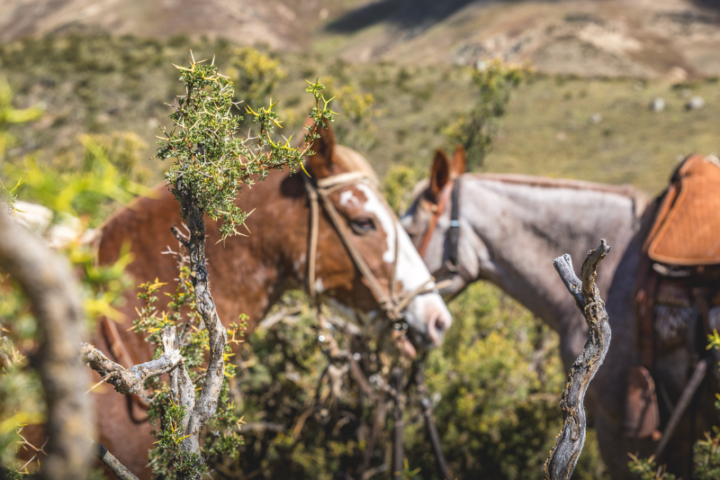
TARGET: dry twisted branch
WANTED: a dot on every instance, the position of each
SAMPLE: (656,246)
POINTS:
(52,289)
(569,443)
(131,380)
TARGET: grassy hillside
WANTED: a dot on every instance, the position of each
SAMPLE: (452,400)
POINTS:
(550,130)
(592,129)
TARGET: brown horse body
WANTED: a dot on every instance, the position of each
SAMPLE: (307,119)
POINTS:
(511,227)
(249,274)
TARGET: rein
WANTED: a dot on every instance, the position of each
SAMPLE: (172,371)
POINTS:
(393,303)
(451,192)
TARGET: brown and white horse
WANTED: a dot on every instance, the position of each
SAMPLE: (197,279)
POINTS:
(249,274)
(509,229)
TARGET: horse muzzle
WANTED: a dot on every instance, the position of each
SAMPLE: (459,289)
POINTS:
(428,319)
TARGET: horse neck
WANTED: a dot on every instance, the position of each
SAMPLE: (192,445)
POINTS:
(252,272)
(522,227)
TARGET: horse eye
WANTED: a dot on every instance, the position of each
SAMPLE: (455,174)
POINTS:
(362,226)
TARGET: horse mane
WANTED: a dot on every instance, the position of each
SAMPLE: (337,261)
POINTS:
(640,200)
(545,182)
(352,161)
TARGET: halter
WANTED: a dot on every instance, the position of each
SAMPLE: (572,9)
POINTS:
(452,191)
(391,304)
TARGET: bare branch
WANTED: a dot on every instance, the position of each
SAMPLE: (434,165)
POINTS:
(132,380)
(564,266)
(52,290)
(569,443)
(182,389)
(114,464)
(179,236)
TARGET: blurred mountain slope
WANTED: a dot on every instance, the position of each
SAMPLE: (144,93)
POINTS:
(268,22)
(674,39)
(638,38)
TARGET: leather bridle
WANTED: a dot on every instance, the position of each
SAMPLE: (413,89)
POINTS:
(450,192)
(393,303)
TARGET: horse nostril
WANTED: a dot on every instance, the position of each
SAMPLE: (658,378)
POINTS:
(436,329)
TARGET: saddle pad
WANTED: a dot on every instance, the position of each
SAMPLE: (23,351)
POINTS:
(687,229)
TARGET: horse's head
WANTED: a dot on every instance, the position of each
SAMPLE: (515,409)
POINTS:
(439,235)
(365,263)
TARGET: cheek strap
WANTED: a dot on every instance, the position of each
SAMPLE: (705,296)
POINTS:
(450,192)
(393,303)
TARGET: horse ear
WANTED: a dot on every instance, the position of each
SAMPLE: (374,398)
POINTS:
(459,161)
(439,174)
(321,163)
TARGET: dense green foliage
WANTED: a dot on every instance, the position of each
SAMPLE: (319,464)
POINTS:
(209,161)
(256,76)
(707,451)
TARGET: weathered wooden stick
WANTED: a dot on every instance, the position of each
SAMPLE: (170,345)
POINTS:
(569,443)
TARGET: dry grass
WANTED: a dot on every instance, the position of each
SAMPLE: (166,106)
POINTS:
(548,130)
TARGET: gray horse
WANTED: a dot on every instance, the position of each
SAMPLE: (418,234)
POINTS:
(510,229)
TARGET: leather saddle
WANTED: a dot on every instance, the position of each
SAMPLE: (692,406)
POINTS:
(677,278)
(687,227)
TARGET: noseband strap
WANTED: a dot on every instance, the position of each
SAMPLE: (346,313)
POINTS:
(451,192)
(393,303)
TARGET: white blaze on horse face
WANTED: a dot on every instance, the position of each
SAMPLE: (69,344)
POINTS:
(427,314)
(347,197)
(410,269)
(375,206)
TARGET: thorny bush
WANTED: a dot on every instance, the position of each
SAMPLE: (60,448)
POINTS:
(210,161)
